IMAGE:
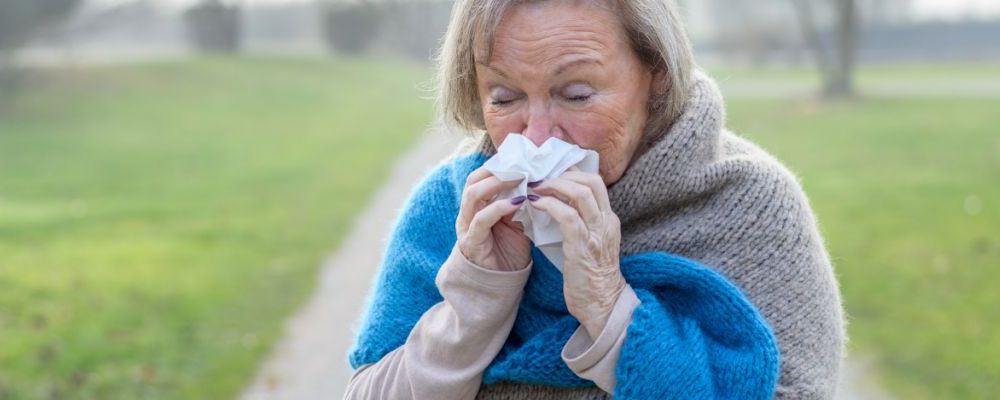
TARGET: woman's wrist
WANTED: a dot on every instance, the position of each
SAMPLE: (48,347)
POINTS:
(595,325)
(596,317)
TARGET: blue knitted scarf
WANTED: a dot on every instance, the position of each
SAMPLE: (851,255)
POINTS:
(694,336)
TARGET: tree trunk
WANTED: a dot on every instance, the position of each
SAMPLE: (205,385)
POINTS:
(836,64)
(841,83)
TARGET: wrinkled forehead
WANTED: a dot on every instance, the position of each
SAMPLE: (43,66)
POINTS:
(491,13)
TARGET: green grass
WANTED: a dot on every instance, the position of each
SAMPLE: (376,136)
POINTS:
(907,192)
(920,80)
(158,222)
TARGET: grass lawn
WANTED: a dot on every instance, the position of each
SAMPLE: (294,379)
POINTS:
(915,80)
(908,196)
(158,222)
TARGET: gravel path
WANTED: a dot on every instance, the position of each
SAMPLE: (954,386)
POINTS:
(310,361)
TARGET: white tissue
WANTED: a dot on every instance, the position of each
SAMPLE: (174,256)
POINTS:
(518,158)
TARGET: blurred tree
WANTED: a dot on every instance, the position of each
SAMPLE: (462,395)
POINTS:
(413,28)
(23,20)
(20,20)
(350,28)
(836,62)
(214,27)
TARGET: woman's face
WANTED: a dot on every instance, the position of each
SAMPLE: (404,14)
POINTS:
(565,69)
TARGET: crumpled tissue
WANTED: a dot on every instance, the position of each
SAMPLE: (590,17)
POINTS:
(518,158)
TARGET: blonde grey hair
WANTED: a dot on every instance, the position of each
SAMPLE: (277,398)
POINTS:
(653,28)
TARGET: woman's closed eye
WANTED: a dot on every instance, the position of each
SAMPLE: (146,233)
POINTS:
(577,93)
(501,96)
(501,102)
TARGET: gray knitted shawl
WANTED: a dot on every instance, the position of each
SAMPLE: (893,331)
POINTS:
(701,192)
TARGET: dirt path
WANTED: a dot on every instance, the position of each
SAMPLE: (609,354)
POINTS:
(310,361)
(859,381)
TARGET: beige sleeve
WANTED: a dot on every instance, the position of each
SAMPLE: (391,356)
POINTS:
(453,342)
(595,359)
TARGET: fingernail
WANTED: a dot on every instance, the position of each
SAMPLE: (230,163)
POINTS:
(518,200)
(535,183)
(533,197)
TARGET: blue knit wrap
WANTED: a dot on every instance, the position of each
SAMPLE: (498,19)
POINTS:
(694,335)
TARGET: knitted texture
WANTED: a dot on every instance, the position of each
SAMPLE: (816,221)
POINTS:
(694,335)
(713,230)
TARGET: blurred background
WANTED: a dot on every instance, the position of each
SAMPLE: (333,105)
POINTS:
(174,172)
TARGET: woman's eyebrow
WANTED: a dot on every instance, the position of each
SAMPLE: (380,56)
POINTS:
(561,69)
(576,62)
(496,71)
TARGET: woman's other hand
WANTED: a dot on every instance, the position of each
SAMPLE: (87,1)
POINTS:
(486,234)
(592,278)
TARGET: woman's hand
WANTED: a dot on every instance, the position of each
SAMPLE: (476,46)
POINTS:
(592,278)
(486,234)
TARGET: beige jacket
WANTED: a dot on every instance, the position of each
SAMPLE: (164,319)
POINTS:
(451,345)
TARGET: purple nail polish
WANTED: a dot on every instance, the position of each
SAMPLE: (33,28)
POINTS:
(535,183)
(518,200)
(533,197)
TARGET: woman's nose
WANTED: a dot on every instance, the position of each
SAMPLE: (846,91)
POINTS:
(540,126)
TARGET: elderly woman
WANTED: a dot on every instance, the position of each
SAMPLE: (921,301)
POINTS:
(693,264)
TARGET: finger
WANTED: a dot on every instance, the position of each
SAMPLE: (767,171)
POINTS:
(509,220)
(576,195)
(477,196)
(465,212)
(592,181)
(477,175)
(570,223)
(480,228)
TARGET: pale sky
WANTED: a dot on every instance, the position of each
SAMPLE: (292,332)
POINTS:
(950,9)
(923,9)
